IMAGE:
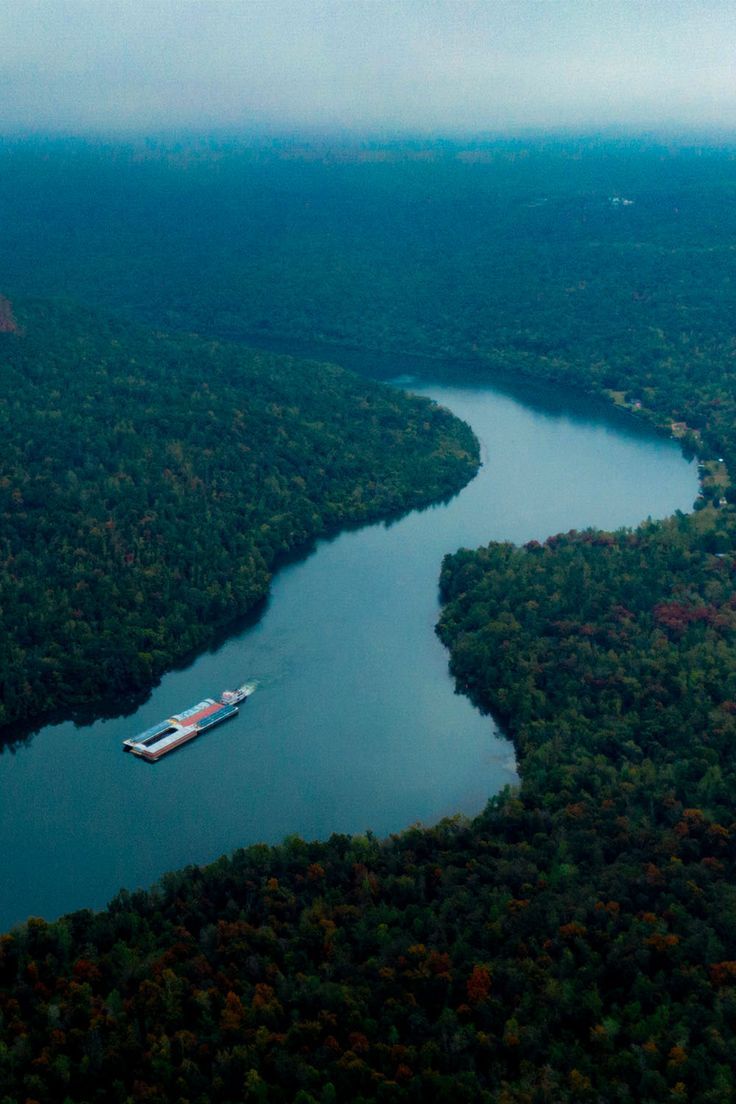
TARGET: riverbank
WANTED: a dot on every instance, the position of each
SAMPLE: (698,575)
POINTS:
(185,470)
(356,723)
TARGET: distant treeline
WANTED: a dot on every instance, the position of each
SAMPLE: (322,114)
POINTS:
(599,265)
(149,484)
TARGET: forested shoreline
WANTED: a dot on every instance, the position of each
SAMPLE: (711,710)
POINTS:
(149,484)
(577,941)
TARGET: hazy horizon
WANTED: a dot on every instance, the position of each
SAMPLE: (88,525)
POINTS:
(426,68)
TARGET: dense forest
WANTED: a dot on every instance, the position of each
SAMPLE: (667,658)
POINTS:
(608,266)
(577,941)
(148,485)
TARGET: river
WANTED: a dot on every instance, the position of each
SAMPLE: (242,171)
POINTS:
(355,724)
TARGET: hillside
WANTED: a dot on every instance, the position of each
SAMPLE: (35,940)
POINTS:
(149,484)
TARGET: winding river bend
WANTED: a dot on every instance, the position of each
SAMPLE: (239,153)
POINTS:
(355,724)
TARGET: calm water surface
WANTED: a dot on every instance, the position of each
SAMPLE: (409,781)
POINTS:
(355,724)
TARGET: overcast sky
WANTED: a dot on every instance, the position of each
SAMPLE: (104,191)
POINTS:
(431,66)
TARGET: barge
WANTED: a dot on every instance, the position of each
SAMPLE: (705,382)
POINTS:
(170,734)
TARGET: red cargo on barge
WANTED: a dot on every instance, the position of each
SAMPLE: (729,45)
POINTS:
(170,734)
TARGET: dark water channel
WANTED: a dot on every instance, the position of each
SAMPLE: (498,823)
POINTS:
(355,724)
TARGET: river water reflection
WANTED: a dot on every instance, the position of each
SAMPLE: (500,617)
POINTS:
(355,724)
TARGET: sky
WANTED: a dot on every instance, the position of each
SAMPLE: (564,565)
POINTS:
(432,67)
